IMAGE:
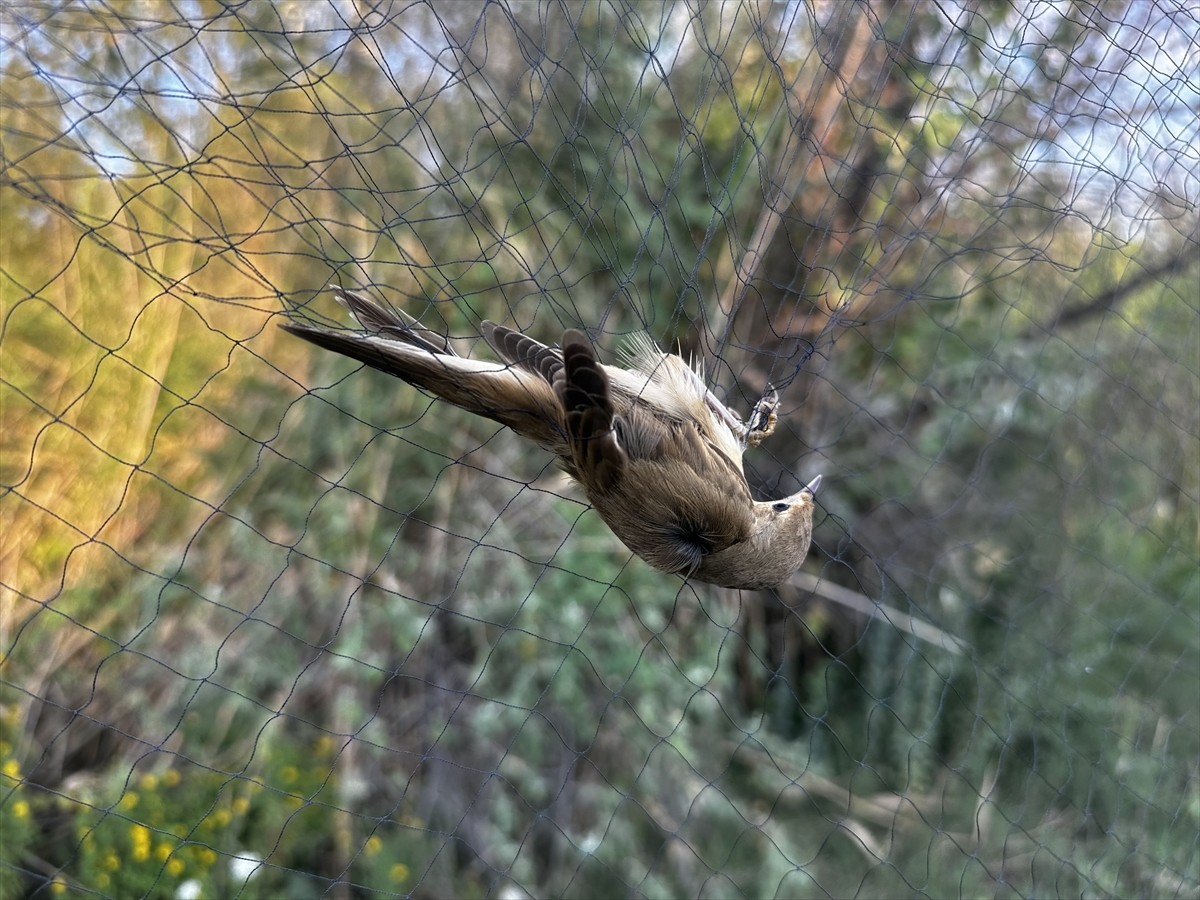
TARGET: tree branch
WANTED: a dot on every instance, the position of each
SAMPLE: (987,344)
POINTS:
(1118,293)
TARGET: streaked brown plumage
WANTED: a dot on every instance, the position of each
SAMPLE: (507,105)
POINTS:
(659,457)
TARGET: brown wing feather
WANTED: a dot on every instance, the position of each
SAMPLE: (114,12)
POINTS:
(523,351)
(583,389)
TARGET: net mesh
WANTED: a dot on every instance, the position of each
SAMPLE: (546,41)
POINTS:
(274,625)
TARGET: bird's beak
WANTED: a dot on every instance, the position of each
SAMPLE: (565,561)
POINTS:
(809,489)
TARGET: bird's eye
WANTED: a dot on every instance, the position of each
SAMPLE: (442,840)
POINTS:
(780,507)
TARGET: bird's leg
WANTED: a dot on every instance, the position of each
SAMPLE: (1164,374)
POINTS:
(763,418)
(726,415)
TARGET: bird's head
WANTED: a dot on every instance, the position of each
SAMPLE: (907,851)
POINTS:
(791,517)
(783,532)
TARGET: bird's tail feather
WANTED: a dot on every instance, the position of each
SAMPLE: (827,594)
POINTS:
(396,344)
(392,323)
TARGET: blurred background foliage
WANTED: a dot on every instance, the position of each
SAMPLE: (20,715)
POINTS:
(271,627)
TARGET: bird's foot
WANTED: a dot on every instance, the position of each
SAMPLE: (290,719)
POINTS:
(763,418)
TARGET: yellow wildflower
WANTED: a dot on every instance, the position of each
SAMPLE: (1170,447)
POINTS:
(139,836)
(399,872)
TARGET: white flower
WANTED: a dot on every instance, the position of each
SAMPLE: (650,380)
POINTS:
(189,890)
(244,865)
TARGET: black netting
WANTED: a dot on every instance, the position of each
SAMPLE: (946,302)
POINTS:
(274,625)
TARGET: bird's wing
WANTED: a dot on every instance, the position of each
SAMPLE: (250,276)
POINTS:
(523,351)
(597,458)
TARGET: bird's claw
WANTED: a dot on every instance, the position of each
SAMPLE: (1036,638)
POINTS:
(763,418)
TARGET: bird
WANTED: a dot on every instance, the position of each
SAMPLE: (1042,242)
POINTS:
(657,455)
